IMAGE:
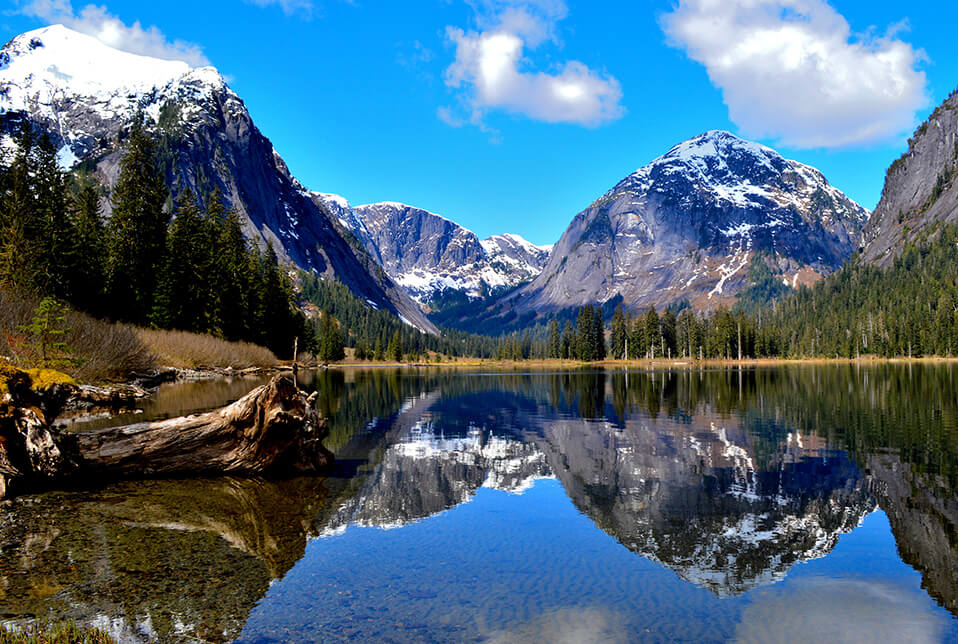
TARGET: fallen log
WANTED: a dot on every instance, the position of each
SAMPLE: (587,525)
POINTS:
(273,429)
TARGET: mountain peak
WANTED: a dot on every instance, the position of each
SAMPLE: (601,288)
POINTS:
(40,66)
(718,143)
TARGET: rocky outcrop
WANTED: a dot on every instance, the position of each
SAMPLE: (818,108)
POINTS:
(85,95)
(920,193)
(687,225)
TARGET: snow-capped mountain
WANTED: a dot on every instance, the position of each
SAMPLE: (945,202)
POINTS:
(427,254)
(85,96)
(687,225)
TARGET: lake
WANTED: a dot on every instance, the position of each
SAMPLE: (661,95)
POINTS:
(792,504)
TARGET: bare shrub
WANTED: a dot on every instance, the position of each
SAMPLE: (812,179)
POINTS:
(192,351)
(100,350)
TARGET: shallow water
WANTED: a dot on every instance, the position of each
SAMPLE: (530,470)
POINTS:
(787,504)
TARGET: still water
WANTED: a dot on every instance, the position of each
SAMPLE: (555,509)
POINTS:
(789,504)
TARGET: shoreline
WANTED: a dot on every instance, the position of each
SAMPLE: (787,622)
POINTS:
(643,364)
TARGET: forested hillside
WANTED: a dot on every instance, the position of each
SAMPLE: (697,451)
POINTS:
(187,267)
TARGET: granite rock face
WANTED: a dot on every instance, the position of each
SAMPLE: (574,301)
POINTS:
(919,194)
(85,96)
(686,226)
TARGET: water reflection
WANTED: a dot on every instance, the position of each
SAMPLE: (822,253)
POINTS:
(157,559)
(727,478)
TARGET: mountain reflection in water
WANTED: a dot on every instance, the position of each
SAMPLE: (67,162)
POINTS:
(727,478)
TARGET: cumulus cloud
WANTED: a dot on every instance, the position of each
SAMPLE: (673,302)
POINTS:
(491,72)
(793,71)
(96,21)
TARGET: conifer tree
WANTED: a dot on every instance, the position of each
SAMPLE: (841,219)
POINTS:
(395,347)
(54,233)
(89,251)
(137,229)
(584,329)
(619,332)
(182,301)
(330,340)
(668,326)
(18,249)
(598,335)
(568,342)
(555,341)
(652,332)
(232,278)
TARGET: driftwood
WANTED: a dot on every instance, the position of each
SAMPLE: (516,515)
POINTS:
(273,429)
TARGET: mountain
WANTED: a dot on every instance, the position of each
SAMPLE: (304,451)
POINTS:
(428,254)
(687,225)
(86,95)
(919,194)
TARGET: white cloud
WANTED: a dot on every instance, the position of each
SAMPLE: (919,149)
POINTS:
(289,7)
(490,71)
(96,21)
(792,70)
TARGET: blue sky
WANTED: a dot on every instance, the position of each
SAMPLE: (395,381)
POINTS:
(512,116)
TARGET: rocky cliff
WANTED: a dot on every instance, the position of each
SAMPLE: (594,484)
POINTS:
(919,194)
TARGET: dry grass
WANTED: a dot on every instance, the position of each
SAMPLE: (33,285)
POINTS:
(193,351)
(68,633)
(98,350)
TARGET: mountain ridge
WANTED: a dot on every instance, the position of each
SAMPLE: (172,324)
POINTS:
(53,78)
(429,254)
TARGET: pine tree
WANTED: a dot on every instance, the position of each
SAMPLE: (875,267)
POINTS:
(330,340)
(137,229)
(619,333)
(597,343)
(89,251)
(652,332)
(555,341)
(182,299)
(668,326)
(232,275)
(585,328)
(54,232)
(568,342)
(395,347)
(18,230)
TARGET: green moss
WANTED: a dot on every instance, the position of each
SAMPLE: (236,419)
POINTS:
(46,378)
(36,379)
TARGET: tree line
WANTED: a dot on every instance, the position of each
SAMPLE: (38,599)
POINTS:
(154,261)
(376,334)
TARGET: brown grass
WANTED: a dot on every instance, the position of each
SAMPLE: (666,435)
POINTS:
(68,633)
(99,350)
(193,351)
